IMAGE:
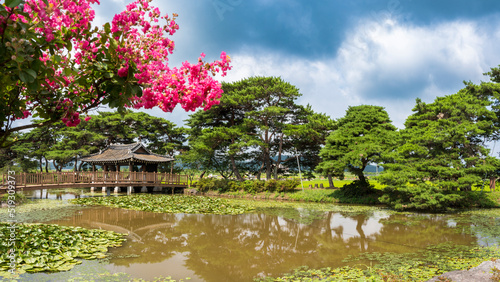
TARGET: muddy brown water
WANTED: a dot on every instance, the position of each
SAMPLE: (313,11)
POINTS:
(241,247)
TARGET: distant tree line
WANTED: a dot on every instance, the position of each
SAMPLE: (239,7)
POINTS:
(258,128)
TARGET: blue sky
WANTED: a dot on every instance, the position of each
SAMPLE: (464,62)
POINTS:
(340,53)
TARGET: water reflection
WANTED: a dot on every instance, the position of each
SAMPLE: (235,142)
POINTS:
(56,194)
(238,248)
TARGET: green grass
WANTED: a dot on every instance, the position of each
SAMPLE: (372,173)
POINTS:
(313,195)
(336,183)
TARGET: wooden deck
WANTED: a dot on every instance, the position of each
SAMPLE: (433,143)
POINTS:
(81,179)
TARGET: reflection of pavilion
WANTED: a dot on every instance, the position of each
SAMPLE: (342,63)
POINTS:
(137,224)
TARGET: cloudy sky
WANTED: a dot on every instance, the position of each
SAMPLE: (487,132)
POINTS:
(340,53)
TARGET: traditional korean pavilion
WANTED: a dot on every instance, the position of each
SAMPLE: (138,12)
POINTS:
(134,155)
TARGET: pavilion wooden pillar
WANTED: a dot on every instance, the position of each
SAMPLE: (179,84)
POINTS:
(117,187)
(104,176)
(93,178)
(131,178)
(144,189)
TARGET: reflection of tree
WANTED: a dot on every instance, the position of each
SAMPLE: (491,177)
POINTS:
(243,246)
(398,234)
(237,248)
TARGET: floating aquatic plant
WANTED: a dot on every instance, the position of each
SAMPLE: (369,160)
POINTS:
(51,248)
(40,211)
(167,204)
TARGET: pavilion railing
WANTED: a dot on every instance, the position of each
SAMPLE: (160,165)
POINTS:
(124,178)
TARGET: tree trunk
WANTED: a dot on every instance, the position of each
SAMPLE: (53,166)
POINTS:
(359,173)
(278,161)
(41,164)
(330,181)
(75,168)
(80,166)
(202,174)
(267,161)
(493,184)
(57,166)
(235,168)
(361,177)
(46,165)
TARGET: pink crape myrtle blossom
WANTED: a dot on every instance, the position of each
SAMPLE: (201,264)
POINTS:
(65,67)
(142,44)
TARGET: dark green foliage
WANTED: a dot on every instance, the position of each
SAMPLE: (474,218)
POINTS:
(443,150)
(430,198)
(65,145)
(257,127)
(420,197)
(357,192)
(363,136)
(248,186)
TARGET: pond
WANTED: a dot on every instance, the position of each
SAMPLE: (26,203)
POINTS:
(267,242)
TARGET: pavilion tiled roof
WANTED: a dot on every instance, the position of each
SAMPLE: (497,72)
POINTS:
(121,153)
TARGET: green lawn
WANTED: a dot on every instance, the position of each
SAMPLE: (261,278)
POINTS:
(336,183)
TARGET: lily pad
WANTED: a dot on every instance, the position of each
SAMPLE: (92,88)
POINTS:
(168,204)
(52,248)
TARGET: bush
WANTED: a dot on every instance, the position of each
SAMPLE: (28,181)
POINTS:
(287,185)
(357,192)
(19,198)
(248,186)
(423,197)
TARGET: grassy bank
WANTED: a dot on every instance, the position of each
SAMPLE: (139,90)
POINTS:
(353,192)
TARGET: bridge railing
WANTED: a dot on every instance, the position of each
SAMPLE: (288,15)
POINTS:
(97,177)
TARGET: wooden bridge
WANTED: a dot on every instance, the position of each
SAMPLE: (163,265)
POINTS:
(97,179)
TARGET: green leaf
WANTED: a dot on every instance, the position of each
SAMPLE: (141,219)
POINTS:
(26,77)
(12,3)
(33,86)
(107,28)
(113,44)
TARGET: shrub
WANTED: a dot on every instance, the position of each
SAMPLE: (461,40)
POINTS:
(424,197)
(248,186)
(357,192)
(19,198)
(287,185)
(204,185)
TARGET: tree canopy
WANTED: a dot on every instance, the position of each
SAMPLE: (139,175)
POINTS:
(257,127)
(64,145)
(443,149)
(364,135)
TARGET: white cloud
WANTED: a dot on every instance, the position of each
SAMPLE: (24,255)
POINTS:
(387,64)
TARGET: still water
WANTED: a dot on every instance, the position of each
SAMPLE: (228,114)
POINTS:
(270,242)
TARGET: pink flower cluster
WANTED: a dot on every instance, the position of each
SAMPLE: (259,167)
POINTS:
(192,85)
(75,15)
(138,45)
(71,119)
